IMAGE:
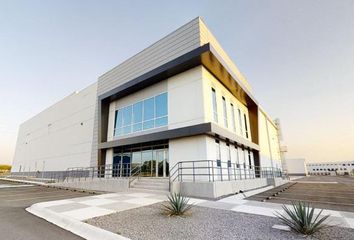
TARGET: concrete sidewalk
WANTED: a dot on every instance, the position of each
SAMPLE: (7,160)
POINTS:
(71,214)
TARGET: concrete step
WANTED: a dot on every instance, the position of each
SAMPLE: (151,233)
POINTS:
(160,184)
(150,183)
(153,179)
(152,187)
(160,187)
(163,192)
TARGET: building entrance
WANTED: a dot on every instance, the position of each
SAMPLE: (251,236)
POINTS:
(151,160)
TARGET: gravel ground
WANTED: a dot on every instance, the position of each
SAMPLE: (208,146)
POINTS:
(148,223)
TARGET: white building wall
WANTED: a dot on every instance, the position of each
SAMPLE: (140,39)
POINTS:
(326,168)
(296,166)
(185,99)
(203,148)
(268,142)
(59,137)
(186,149)
(209,82)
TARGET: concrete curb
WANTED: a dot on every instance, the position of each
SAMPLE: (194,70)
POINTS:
(51,185)
(77,227)
(24,181)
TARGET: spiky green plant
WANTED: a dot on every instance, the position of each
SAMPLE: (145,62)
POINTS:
(300,217)
(177,205)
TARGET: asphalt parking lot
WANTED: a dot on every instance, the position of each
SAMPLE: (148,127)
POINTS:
(329,192)
(17,224)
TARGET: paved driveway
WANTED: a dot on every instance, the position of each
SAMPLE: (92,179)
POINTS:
(17,224)
(336,193)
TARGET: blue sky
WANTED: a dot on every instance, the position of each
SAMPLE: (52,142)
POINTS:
(297,55)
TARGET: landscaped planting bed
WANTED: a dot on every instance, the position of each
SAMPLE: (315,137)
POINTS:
(147,223)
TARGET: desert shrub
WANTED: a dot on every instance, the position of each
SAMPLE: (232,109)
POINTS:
(177,205)
(301,218)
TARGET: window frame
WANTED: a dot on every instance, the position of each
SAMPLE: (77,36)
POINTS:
(224,106)
(214,103)
(246,125)
(143,124)
(233,117)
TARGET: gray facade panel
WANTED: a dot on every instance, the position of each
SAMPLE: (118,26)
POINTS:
(162,135)
(175,44)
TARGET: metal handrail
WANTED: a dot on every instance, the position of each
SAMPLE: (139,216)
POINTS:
(219,171)
(135,175)
(121,170)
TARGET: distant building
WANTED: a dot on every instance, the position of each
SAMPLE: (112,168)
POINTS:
(296,167)
(331,168)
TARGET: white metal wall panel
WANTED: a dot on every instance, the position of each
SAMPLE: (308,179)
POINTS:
(59,137)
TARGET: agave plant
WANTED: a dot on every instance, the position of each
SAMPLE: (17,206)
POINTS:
(177,205)
(301,218)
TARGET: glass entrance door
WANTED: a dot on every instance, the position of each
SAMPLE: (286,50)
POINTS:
(161,163)
(155,163)
(152,160)
(117,159)
(121,165)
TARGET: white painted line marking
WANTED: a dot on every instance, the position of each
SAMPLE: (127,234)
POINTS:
(5,195)
(48,196)
(315,182)
(14,186)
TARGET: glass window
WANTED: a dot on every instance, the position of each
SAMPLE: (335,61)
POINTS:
(225,111)
(118,123)
(116,118)
(246,127)
(233,117)
(240,121)
(161,105)
(138,112)
(149,109)
(119,131)
(119,118)
(127,129)
(127,116)
(214,103)
(147,114)
(148,124)
(137,127)
(136,158)
(160,121)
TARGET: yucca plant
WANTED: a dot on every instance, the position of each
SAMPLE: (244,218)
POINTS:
(177,205)
(301,218)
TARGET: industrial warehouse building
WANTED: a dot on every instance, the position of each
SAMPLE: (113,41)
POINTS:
(331,168)
(179,112)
